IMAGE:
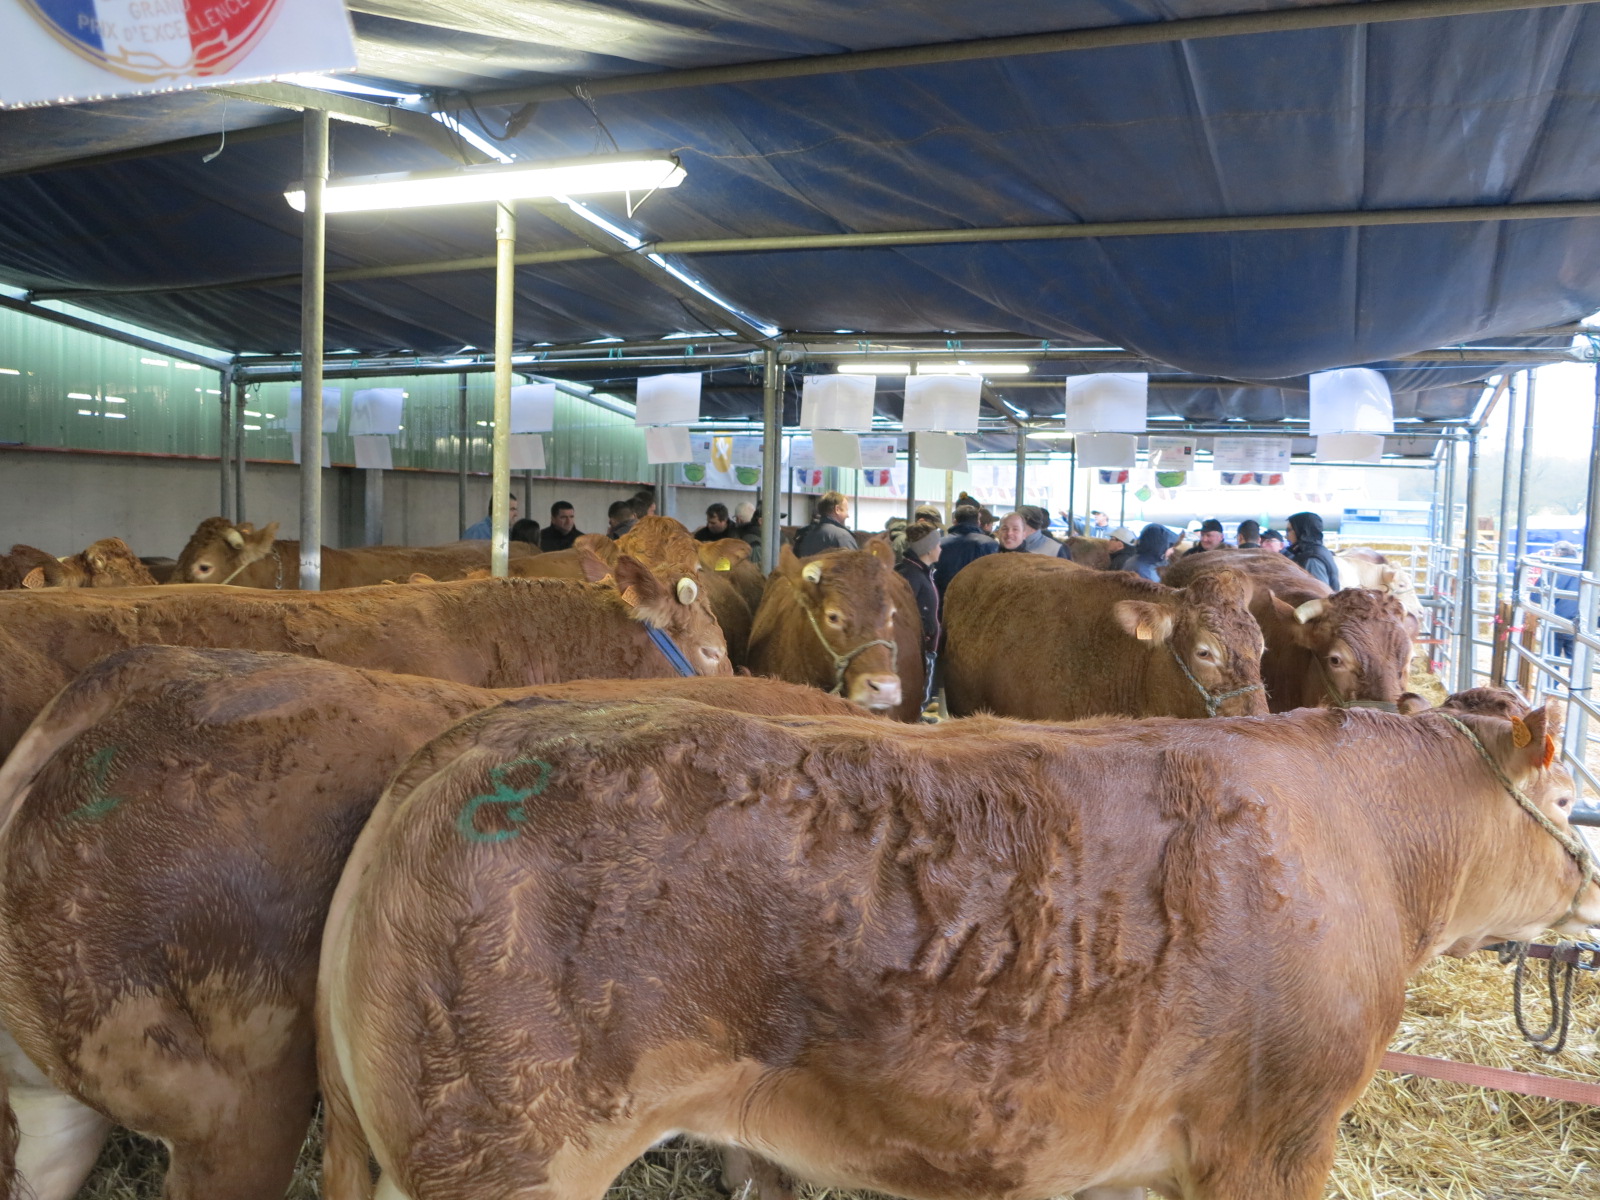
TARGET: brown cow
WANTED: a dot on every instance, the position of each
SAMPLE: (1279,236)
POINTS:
(1322,647)
(845,622)
(177,822)
(1090,551)
(742,570)
(487,633)
(107,563)
(1029,636)
(984,958)
(221,552)
(16,566)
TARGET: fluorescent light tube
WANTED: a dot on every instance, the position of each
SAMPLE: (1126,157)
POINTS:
(874,368)
(639,173)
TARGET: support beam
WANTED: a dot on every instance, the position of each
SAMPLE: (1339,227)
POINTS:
(911,478)
(601,248)
(314,175)
(505,242)
(1523,495)
(84,325)
(201,144)
(463,446)
(239,400)
(1576,736)
(771,455)
(641,263)
(1022,468)
(1467,617)
(1330,16)
(225,445)
(1502,562)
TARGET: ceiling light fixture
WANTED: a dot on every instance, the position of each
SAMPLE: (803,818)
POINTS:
(522,181)
(873,368)
(979,369)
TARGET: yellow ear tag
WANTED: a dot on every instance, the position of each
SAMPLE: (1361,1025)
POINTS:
(724,565)
(1549,749)
(1521,735)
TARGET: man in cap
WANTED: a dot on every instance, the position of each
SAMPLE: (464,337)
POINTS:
(1210,538)
(1124,545)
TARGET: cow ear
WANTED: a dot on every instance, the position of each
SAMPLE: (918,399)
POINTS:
(878,546)
(642,591)
(1386,576)
(594,567)
(262,539)
(1410,704)
(788,563)
(1141,619)
(34,579)
(1534,737)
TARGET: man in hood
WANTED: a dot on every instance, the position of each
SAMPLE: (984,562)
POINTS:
(1151,552)
(1306,548)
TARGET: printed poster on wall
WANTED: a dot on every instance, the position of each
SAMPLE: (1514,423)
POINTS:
(1256,456)
(733,463)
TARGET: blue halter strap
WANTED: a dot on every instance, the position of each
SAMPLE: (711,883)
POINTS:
(669,649)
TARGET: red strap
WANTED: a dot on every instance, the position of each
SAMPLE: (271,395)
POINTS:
(1550,1087)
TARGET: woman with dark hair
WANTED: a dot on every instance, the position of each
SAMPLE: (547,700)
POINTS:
(1307,551)
(525,530)
(1151,552)
(922,538)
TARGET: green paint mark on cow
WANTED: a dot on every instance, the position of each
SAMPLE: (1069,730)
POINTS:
(505,794)
(99,803)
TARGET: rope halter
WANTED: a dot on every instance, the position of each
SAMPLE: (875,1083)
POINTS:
(253,561)
(1579,852)
(1213,700)
(1339,701)
(841,662)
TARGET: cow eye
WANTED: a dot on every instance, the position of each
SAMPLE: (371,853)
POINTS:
(1336,660)
(1564,802)
(203,568)
(834,618)
(1202,652)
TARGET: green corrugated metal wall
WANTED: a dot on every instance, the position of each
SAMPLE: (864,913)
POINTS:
(65,389)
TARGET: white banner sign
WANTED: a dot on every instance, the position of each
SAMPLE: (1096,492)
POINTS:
(1106,449)
(526,452)
(533,408)
(375,410)
(834,449)
(1261,456)
(942,452)
(1351,400)
(64,51)
(723,462)
(879,454)
(668,400)
(373,452)
(332,397)
(1350,447)
(837,401)
(667,444)
(1172,453)
(945,403)
(799,454)
(1108,403)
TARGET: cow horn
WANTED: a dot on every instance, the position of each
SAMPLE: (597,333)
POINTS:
(812,573)
(234,538)
(1310,611)
(688,591)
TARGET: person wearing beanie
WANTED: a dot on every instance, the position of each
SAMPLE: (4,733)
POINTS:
(1150,553)
(1210,538)
(1249,535)
(964,543)
(916,568)
(1307,551)
(1124,544)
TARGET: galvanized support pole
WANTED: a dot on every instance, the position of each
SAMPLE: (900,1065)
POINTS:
(1466,616)
(949,496)
(225,447)
(372,507)
(314,173)
(911,477)
(505,246)
(771,455)
(1528,403)
(1502,542)
(1022,468)
(240,399)
(1577,731)
(464,446)
(1072,484)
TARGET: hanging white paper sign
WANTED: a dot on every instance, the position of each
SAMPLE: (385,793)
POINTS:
(1172,453)
(800,454)
(668,400)
(667,444)
(1113,402)
(1350,447)
(834,449)
(837,401)
(942,451)
(533,408)
(294,449)
(943,403)
(375,410)
(879,454)
(332,397)
(1106,449)
(1352,400)
(373,452)
(526,452)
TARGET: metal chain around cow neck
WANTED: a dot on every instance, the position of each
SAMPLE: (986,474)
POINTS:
(1213,700)
(841,662)
(1560,1001)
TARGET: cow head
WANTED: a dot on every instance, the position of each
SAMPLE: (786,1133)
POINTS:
(724,554)
(1525,881)
(1358,645)
(220,548)
(849,617)
(1208,628)
(106,563)
(668,597)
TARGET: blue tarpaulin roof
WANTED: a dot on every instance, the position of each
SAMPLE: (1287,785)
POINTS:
(1473,110)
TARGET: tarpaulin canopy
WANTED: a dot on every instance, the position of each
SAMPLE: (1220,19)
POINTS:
(1493,109)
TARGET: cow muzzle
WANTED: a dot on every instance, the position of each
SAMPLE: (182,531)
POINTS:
(877,692)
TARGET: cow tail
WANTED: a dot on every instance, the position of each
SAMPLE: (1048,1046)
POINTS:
(345,1151)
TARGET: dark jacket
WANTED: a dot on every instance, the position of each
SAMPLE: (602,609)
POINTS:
(963,544)
(824,533)
(1150,554)
(1037,543)
(704,534)
(1197,548)
(552,539)
(1122,560)
(622,528)
(1309,553)
(916,572)
(750,532)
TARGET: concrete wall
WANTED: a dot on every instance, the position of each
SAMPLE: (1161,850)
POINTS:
(60,502)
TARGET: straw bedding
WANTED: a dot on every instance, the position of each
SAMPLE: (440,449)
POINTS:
(1406,1139)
